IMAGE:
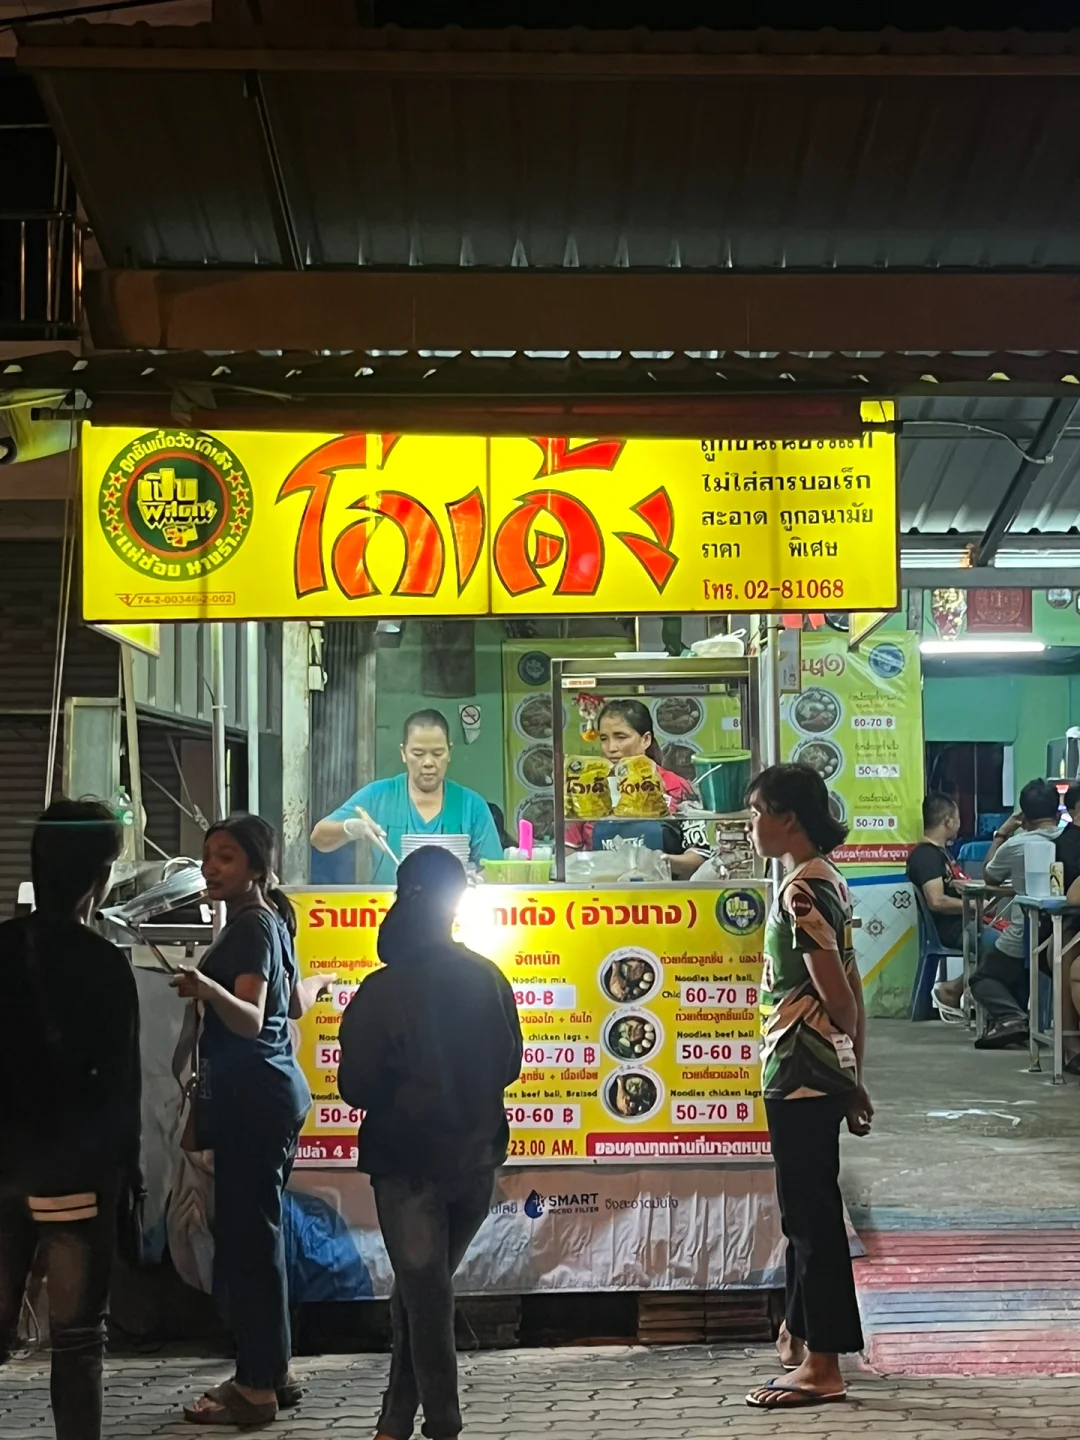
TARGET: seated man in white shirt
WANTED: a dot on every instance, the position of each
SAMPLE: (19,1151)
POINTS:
(1000,982)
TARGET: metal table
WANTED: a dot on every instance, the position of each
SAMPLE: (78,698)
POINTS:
(1033,909)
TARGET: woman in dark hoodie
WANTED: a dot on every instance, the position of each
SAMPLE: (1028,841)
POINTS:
(428,1046)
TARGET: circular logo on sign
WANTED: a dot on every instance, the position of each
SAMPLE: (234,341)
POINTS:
(740,911)
(887,661)
(175,504)
(534,668)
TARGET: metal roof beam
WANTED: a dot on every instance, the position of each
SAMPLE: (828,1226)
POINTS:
(1050,432)
(547,57)
(528,309)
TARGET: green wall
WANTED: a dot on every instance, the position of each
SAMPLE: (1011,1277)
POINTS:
(1023,710)
(398,694)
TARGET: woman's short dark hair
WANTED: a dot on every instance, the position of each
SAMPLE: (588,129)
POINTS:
(638,718)
(800,791)
(425,720)
(73,845)
(258,840)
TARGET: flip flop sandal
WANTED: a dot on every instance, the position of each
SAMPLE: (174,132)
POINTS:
(289,1395)
(234,1409)
(807,1398)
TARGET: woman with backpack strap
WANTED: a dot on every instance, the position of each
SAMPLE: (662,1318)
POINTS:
(251,1099)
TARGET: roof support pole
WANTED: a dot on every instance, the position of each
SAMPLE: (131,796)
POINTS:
(1049,433)
(284,224)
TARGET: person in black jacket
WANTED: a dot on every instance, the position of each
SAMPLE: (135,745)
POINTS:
(69,1103)
(428,1046)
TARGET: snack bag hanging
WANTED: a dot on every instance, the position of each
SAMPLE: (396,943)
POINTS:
(639,789)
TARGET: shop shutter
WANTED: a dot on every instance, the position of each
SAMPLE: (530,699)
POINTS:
(29,604)
(24,748)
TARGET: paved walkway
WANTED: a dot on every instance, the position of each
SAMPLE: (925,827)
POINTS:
(608,1393)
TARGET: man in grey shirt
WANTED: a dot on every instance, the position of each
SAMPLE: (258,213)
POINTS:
(1000,983)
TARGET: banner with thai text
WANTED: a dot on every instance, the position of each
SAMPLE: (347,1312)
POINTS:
(244,525)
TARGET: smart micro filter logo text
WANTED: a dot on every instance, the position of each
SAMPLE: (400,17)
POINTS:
(579,1203)
(175,504)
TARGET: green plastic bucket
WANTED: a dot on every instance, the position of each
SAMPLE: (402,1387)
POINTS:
(723,790)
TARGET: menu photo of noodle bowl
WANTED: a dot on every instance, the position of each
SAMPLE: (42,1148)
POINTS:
(824,756)
(539,810)
(536,767)
(815,711)
(633,1093)
(630,975)
(678,756)
(678,715)
(532,718)
(631,1035)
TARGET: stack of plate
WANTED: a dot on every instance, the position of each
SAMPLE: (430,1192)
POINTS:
(457,844)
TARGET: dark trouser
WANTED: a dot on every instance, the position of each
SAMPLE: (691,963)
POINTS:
(822,1309)
(251,1167)
(78,1260)
(1000,985)
(426,1226)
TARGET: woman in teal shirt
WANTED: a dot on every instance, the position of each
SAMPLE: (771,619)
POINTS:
(420,802)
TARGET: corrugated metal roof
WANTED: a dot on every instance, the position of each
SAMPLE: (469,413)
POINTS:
(953,473)
(953,478)
(630,151)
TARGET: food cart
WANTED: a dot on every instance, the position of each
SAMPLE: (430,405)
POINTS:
(637,1124)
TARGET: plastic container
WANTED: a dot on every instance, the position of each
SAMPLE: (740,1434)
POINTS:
(516,872)
(723,790)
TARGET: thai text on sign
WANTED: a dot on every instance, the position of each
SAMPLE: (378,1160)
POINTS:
(638,1009)
(185,525)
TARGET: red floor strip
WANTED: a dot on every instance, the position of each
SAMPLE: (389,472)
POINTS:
(1003,1302)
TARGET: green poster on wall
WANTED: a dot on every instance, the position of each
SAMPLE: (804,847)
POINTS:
(858,721)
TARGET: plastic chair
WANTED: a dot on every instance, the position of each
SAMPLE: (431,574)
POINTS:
(932,956)
(974,852)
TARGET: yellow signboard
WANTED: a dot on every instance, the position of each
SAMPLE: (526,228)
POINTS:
(686,526)
(146,638)
(186,525)
(638,1008)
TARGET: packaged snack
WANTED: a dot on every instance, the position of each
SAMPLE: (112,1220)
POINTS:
(588,793)
(639,789)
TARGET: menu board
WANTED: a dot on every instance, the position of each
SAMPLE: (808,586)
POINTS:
(638,1008)
(858,722)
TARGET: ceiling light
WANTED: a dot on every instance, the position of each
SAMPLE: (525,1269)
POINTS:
(989,646)
(1037,559)
(932,559)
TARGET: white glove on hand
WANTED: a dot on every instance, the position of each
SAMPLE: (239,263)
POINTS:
(363,827)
